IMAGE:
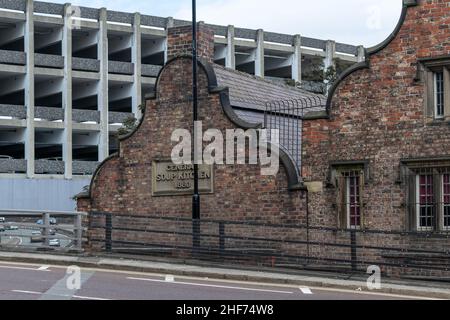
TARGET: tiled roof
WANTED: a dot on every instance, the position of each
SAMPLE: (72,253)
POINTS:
(251,92)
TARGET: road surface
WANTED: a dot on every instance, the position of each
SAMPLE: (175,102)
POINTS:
(33,282)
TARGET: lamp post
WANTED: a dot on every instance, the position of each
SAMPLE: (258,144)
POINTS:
(196,196)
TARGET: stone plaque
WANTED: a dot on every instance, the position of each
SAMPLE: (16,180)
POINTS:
(171,179)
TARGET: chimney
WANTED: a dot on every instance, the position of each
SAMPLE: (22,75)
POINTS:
(179,41)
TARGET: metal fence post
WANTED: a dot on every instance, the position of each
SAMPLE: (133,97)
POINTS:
(222,237)
(196,242)
(79,231)
(108,232)
(46,226)
(353,250)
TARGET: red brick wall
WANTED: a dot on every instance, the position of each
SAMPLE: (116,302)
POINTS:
(179,42)
(123,184)
(378,114)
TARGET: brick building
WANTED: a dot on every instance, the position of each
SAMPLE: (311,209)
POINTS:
(124,184)
(379,155)
(371,184)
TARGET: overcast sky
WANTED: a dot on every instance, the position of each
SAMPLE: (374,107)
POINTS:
(365,22)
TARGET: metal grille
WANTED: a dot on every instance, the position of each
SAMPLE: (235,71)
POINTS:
(429,200)
(439,94)
(353,198)
(286,116)
(425,202)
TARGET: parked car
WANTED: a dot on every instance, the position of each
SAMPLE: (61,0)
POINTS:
(11,227)
(54,243)
(2,229)
(36,236)
(52,232)
(51,220)
(2,219)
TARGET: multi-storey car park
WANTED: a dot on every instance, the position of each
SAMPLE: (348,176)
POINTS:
(65,91)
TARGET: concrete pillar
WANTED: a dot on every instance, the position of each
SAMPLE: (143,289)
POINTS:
(259,53)
(29,88)
(330,53)
(230,57)
(136,54)
(103,148)
(67,91)
(361,54)
(297,59)
(169,24)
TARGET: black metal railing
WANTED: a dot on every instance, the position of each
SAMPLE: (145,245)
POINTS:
(287,246)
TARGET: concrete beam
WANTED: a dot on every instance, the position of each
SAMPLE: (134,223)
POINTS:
(85,40)
(86,139)
(330,53)
(102,53)
(12,136)
(170,24)
(48,88)
(120,92)
(49,137)
(13,34)
(220,53)
(29,87)
(136,59)
(259,54)
(361,54)
(297,59)
(13,84)
(119,44)
(149,49)
(67,90)
(278,63)
(85,90)
(43,41)
(242,58)
(230,57)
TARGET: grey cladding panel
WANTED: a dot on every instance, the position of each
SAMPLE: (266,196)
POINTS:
(85,64)
(15,111)
(245,33)
(40,194)
(12,57)
(153,21)
(278,38)
(19,5)
(121,17)
(48,60)
(48,8)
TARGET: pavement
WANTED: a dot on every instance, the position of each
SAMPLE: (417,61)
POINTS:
(131,278)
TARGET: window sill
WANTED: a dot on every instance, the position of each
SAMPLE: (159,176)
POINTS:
(438,121)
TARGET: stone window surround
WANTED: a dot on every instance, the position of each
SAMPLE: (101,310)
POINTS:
(338,171)
(429,67)
(410,170)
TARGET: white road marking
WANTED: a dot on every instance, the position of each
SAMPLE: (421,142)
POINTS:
(305,290)
(170,278)
(280,285)
(212,285)
(59,295)
(21,268)
(42,268)
(25,291)
(89,298)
